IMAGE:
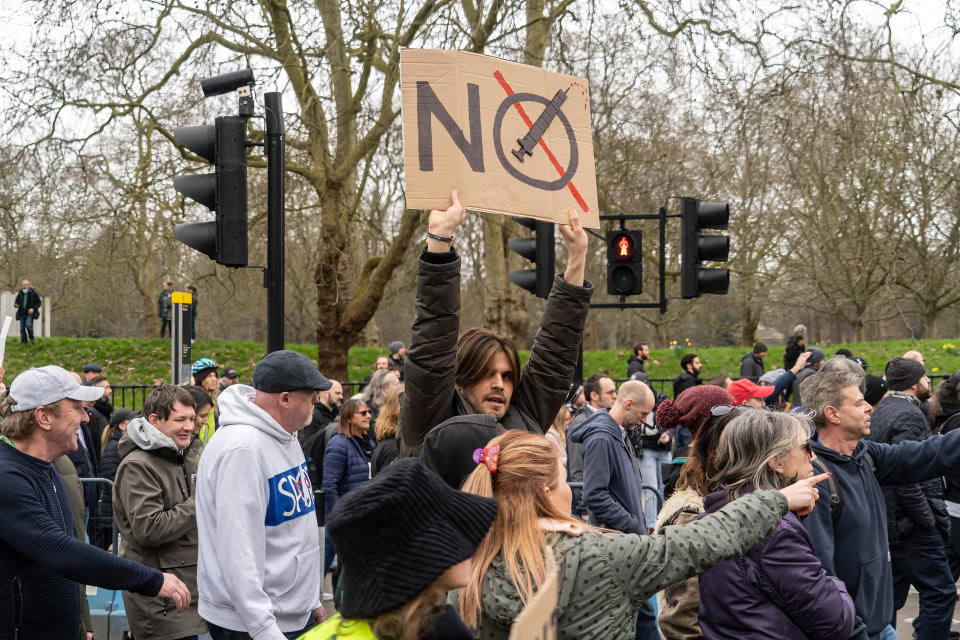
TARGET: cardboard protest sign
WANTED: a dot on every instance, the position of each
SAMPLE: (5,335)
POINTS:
(538,620)
(513,139)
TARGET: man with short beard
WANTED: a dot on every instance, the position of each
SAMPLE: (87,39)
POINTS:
(480,373)
(917,520)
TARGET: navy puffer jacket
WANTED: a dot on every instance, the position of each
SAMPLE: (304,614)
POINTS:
(344,467)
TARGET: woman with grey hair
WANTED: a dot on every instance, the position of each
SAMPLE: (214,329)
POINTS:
(778,589)
(375,394)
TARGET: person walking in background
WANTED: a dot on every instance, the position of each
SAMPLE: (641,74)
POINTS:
(259,571)
(918,524)
(796,344)
(193,311)
(637,363)
(751,366)
(165,306)
(397,354)
(27,303)
(691,366)
(153,503)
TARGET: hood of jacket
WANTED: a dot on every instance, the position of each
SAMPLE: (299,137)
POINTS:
(143,435)
(682,500)
(599,424)
(237,407)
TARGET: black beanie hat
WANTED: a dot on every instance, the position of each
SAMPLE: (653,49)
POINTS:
(397,533)
(903,373)
(876,388)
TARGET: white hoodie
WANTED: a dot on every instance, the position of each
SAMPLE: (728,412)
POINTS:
(259,563)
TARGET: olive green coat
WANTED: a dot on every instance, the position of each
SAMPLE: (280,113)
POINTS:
(153,504)
(71,482)
(606,576)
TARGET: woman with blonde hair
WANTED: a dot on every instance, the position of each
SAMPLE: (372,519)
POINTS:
(386,430)
(605,575)
(778,590)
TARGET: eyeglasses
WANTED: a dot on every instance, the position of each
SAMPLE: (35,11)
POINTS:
(807,449)
(364,412)
(721,410)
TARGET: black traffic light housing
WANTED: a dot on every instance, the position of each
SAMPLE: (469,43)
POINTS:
(696,248)
(224,192)
(624,263)
(539,251)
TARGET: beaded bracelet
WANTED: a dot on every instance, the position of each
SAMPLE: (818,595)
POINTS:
(434,236)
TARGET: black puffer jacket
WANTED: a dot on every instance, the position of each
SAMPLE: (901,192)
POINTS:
(430,396)
(951,420)
(915,506)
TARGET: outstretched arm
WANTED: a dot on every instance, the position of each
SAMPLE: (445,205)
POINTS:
(432,357)
(546,379)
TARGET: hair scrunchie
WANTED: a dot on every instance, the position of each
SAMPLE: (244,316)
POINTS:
(489,456)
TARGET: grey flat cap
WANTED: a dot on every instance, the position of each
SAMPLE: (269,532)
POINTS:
(288,370)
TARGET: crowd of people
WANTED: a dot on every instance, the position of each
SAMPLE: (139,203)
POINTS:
(800,501)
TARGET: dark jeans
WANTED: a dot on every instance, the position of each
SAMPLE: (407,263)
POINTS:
(164,326)
(26,328)
(921,561)
(219,633)
(647,628)
(953,548)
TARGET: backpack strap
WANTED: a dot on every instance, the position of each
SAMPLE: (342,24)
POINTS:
(836,504)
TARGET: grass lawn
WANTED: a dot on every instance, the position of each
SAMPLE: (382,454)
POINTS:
(144,361)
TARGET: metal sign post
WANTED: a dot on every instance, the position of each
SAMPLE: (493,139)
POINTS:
(181,330)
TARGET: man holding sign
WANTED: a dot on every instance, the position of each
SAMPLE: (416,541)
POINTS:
(480,373)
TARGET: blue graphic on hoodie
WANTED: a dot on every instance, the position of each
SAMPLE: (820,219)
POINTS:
(291,495)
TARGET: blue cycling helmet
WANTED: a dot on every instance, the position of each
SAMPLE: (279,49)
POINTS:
(203,363)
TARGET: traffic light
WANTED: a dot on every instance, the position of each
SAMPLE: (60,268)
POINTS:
(539,251)
(696,248)
(624,263)
(224,192)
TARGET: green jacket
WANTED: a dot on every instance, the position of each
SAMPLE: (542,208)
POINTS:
(71,481)
(606,576)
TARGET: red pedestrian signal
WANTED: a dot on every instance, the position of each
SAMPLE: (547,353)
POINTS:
(624,263)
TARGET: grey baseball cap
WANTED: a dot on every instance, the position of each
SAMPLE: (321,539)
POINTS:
(287,370)
(41,386)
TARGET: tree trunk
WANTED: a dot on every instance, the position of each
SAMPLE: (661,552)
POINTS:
(930,318)
(749,324)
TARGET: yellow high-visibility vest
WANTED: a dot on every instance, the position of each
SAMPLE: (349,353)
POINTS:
(337,628)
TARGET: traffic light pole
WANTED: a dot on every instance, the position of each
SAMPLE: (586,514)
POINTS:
(276,225)
(662,217)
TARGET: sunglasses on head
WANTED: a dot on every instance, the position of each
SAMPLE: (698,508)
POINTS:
(721,410)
